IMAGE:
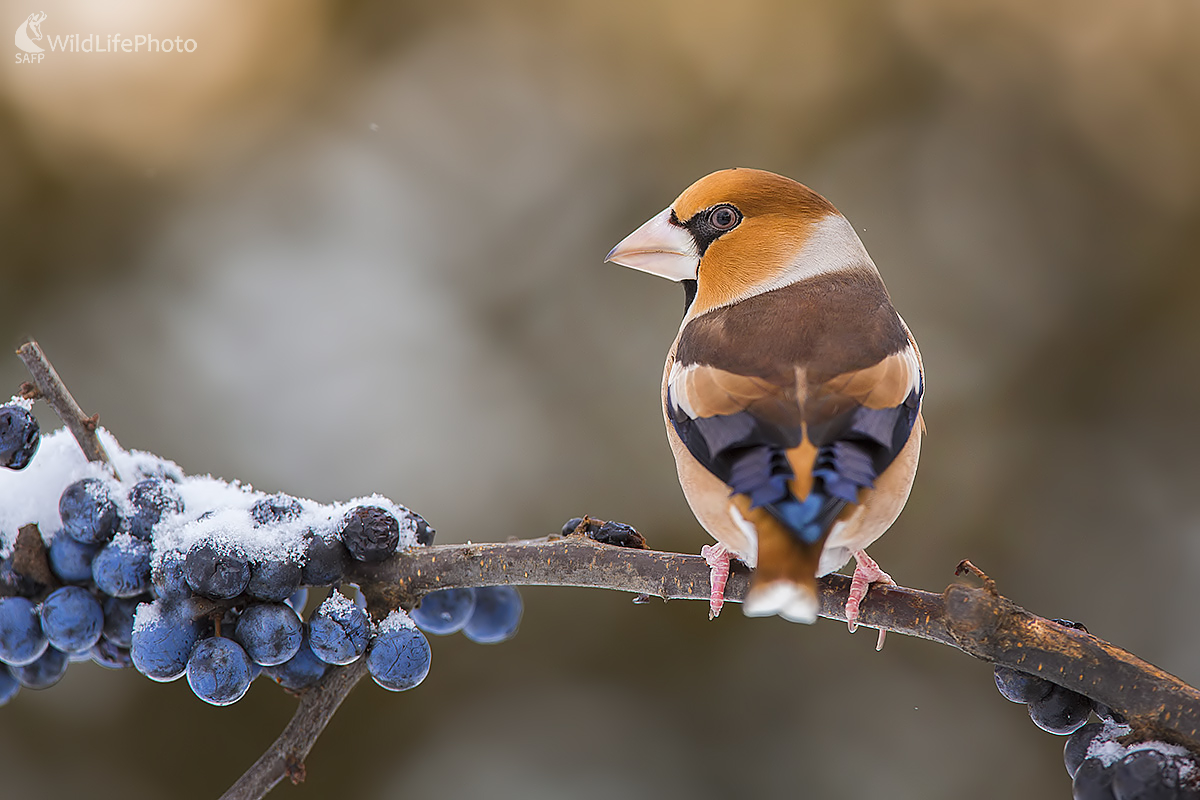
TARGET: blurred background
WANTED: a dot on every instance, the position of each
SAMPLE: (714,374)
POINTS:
(355,247)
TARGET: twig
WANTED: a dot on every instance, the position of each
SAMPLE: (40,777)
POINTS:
(980,622)
(56,394)
(285,757)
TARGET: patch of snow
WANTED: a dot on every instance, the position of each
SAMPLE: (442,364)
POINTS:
(214,509)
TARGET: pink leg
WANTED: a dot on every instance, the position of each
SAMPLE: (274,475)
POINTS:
(866,572)
(717,557)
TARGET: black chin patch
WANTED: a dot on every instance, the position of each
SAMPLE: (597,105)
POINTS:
(689,293)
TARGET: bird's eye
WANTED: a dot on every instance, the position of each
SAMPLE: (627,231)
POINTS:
(724,218)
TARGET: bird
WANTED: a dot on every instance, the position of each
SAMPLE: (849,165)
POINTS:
(792,392)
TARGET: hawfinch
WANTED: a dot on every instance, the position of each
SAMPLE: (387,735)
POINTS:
(792,394)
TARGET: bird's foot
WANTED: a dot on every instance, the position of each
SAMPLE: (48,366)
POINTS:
(866,572)
(717,557)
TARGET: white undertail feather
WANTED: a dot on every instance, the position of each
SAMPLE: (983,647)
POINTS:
(791,601)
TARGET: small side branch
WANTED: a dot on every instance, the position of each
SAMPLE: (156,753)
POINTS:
(51,388)
(285,757)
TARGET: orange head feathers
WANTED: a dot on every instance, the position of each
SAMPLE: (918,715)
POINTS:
(740,231)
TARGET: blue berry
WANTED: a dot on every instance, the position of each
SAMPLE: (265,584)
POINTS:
(339,631)
(270,633)
(21,638)
(298,600)
(300,671)
(150,500)
(570,525)
(325,562)
(118,619)
(72,619)
(275,510)
(8,685)
(170,578)
(274,579)
(444,612)
(219,671)
(44,672)
(71,560)
(220,570)
(19,436)
(497,615)
(110,655)
(122,567)
(1021,687)
(88,512)
(1075,750)
(1146,775)
(399,656)
(1062,711)
(162,640)
(1093,781)
(370,533)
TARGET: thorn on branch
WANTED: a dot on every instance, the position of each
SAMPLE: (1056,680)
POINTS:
(296,771)
(966,566)
(28,391)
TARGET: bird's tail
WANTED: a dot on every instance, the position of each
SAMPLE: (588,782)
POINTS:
(785,580)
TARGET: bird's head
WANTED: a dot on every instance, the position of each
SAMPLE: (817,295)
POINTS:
(740,232)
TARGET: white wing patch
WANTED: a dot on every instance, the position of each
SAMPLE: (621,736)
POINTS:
(751,533)
(913,362)
(678,393)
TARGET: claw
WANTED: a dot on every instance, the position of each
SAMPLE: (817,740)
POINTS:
(717,558)
(866,572)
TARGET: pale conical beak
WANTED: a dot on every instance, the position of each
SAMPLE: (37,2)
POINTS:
(661,248)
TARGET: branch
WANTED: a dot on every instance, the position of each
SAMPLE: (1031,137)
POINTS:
(977,621)
(579,561)
(51,388)
(285,757)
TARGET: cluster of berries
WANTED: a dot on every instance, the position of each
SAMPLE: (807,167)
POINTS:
(1100,758)
(192,576)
